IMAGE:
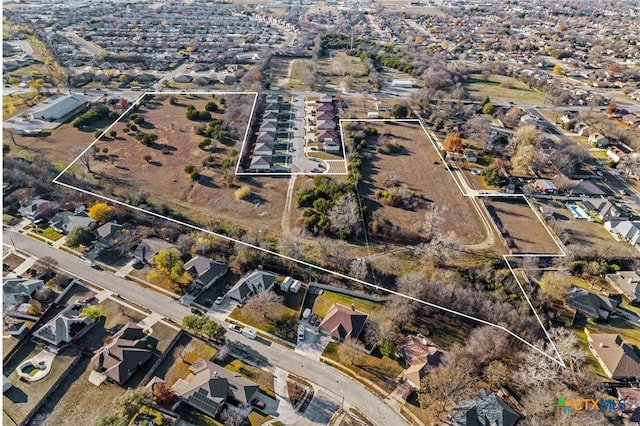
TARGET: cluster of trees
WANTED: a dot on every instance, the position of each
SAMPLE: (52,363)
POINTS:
(126,406)
(205,326)
(80,236)
(324,202)
(146,139)
(137,118)
(494,177)
(194,115)
(398,195)
(191,170)
(215,129)
(96,113)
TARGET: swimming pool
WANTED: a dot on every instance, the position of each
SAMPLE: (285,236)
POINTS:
(577,211)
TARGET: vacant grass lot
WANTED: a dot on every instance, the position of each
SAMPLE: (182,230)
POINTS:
(123,172)
(417,166)
(503,89)
(522,226)
(381,371)
(284,323)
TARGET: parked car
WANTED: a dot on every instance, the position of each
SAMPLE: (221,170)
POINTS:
(197,311)
(219,300)
(89,299)
(235,328)
(312,319)
(301,332)
(96,266)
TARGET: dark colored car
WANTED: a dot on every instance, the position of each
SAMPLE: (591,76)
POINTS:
(313,319)
(196,311)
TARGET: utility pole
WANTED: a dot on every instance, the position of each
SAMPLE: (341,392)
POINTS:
(351,38)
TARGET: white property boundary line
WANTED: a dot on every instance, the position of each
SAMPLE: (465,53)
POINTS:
(320,268)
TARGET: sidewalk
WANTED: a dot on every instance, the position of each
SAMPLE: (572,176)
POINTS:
(287,413)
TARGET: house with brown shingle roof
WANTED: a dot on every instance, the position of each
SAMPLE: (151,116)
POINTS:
(120,359)
(342,322)
(420,355)
(617,358)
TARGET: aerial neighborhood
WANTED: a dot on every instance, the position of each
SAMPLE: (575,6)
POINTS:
(321,213)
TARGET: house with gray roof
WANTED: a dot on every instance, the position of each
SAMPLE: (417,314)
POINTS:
(251,283)
(590,304)
(17,290)
(208,387)
(124,355)
(149,247)
(260,163)
(60,108)
(627,283)
(604,209)
(64,222)
(484,409)
(205,271)
(66,326)
(37,208)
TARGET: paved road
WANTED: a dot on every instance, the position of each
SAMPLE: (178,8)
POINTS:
(264,353)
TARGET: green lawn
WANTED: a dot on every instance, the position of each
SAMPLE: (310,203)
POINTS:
(324,301)
(503,89)
(49,233)
(381,371)
(283,324)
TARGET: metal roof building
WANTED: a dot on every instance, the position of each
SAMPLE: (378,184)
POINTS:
(60,108)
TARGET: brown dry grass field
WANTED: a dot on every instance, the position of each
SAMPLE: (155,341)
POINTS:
(419,167)
(123,171)
(522,225)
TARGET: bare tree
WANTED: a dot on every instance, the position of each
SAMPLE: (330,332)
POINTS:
(556,284)
(444,386)
(262,305)
(84,156)
(344,216)
(352,351)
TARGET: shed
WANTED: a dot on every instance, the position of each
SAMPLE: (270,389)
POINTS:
(295,286)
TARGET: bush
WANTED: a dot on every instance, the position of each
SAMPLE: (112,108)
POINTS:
(189,169)
(243,192)
(205,143)
(492,176)
(94,114)
(147,158)
(211,106)
(488,109)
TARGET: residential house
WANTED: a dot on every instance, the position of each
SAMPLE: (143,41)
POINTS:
(420,356)
(149,247)
(260,163)
(615,154)
(545,186)
(16,328)
(263,149)
(268,126)
(631,119)
(598,140)
(254,282)
(581,129)
(64,222)
(37,208)
(604,209)
(471,156)
(625,230)
(127,351)
(205,271)
(325,125)
(342,322)
(266,137)
(109,233)
(331,146)
(66,326)
(183,78)
(627,283)
(617,358)
(631,397)
(208,387)
(269,115)
(484,409)
(585,188)
(590,304)
(17,290)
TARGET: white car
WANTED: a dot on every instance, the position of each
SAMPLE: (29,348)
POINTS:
(219,300)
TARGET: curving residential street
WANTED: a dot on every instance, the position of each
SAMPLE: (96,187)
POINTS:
(263,353)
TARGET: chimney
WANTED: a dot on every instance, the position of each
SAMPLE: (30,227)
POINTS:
(353,306)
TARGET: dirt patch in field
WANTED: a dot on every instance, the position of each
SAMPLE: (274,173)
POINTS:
(521,228)
(418,167)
